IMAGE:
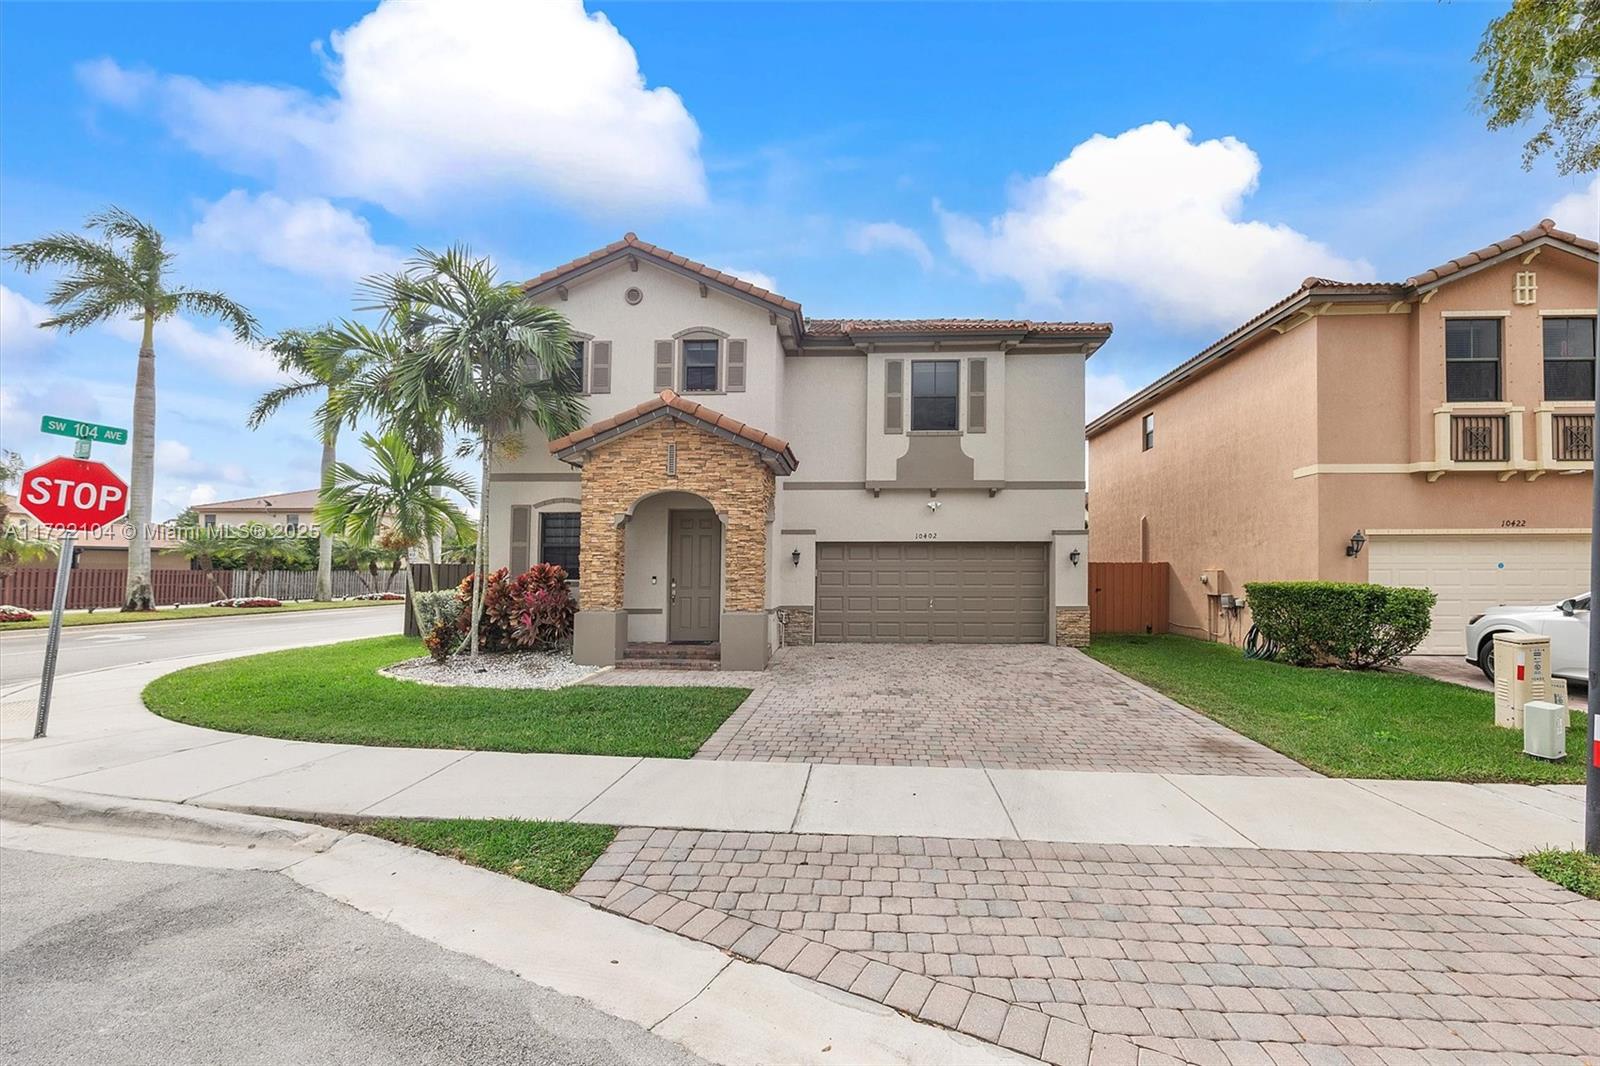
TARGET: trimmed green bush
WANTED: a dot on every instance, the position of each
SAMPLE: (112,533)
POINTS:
(1333,623)
(432,607)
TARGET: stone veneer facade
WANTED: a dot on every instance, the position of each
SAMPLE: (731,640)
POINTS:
(621,472)
(1072,626)
(796,626)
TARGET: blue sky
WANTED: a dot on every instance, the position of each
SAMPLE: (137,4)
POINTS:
(1171,168)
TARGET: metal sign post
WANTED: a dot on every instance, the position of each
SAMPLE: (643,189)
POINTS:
(58,606)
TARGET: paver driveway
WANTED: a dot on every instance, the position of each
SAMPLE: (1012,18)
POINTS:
(1209,956)
(1023,706)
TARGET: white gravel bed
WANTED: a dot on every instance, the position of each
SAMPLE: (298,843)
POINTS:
(528,669)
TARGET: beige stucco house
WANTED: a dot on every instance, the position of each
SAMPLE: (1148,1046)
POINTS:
(288,510)
(750,476)
(1448,419)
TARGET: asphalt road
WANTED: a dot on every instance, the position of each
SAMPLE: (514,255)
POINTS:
(85,648)
(106,962)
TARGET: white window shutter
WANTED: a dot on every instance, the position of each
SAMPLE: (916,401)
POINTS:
(736,366)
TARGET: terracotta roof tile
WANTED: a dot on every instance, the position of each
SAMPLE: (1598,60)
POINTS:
(1545,228)
(632,241)
(839,327)
(694,411)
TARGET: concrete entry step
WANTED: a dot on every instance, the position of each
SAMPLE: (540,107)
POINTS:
(654,655)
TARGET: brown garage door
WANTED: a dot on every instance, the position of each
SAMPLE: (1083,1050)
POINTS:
(922,593)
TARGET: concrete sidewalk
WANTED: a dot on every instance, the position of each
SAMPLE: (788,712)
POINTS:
(104,741)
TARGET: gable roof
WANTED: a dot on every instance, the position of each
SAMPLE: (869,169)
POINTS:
(303,500)
(1315,291)
(774,451)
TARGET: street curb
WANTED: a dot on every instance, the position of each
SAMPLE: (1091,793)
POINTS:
(41,805)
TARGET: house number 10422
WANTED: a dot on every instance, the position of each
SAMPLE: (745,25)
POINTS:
(927,536)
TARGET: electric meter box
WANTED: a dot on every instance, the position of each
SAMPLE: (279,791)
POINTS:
(1544,730)
(1521,673)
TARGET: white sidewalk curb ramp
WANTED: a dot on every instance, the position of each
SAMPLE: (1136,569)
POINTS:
(722,1008)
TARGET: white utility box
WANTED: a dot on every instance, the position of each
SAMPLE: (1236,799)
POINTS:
(1544,730)
(1558,691)
(1521,673)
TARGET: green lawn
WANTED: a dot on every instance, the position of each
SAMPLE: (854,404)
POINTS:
(1574,870)
(552,855)
(333,693)
(1343,723)
(111,616)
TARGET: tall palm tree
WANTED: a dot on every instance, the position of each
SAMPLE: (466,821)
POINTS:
(318,362)
(485,358)
(122,272)
(400,499)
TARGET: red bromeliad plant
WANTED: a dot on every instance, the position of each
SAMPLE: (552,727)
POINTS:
(532,610)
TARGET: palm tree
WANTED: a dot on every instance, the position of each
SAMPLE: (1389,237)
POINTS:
(400,500)
(319,362)
(260,548)
(123,273)
(208,547)
(484,359)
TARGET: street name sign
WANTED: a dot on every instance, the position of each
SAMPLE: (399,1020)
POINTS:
(93,431)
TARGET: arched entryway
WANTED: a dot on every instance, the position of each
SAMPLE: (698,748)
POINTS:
(674,491)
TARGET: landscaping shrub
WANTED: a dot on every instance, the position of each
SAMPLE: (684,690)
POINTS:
(431,607)
(15,614)
(375,596)
(1332,623)
(532,610)
(442,639)
(248,601)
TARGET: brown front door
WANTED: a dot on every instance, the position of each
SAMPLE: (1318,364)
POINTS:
(695,573)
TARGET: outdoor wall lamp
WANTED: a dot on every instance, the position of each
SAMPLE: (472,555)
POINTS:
(1357,539)
(794,556)
(1074,555)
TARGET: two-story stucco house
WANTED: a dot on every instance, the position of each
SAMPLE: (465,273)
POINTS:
(752,477)
(1434,432)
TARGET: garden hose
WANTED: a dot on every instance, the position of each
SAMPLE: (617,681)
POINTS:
(1257,646)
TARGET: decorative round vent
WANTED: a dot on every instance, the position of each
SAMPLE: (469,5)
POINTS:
(633,296)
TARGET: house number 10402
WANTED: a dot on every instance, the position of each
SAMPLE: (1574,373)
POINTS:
(927,536)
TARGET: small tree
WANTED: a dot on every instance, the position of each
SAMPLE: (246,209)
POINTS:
(17,548)
(124,275)
(401,499)
(1545,55)
(211,550)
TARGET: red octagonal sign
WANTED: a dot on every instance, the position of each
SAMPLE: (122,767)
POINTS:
(76,494)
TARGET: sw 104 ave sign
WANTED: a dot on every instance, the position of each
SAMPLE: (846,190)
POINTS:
(73,494)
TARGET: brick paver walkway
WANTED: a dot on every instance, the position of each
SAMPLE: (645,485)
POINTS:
(1208,956)
(1021,706)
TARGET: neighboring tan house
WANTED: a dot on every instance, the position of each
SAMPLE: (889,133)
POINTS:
(1448,419)
(750,476)
(106,548)
(289,510)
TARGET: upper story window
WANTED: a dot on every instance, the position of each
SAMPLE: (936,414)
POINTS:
(1147,432)
(211,521)
(575,366)
(559,539)
(935,394)
(1471,359)
(292,523)
(1569,359)
(700,365)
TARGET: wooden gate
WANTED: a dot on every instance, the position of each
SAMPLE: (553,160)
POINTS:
(1128,597)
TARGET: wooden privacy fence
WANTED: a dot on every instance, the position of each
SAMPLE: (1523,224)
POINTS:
(450,575)
(1128,597)
(302,584)
(33,587)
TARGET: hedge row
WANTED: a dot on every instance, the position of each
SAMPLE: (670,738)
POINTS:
(1331,623)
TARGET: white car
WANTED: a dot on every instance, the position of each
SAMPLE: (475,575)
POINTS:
(1565,623)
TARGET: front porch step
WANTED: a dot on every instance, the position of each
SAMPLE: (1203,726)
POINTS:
(653,655)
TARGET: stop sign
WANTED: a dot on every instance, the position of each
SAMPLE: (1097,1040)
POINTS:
(75,494)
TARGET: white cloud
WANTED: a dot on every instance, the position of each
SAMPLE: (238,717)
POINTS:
(1102,392)
(202,493)
(891,236)
(212,349)
(307,236)
(1579,211)
(1154,212)
(175,458)
(754,277)
(432,99)
(19,323)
